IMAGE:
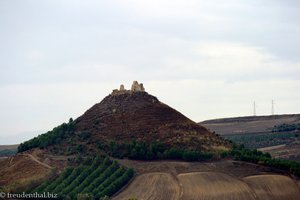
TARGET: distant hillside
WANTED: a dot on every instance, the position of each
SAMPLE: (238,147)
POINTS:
(8,150)
(9,147)
(249,124)
(278,135)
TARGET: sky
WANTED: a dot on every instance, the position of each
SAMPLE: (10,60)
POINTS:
(206,58)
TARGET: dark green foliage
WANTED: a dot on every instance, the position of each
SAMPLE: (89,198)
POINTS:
(99,178)
(286,127)
(49,138)
(155,150)
(258,157)
(8,152)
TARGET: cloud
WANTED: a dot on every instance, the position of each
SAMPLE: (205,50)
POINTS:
(206,58)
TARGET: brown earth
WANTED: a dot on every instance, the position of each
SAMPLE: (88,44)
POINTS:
(273,187)
(163,180)
(151,186)
(141,116)
(213,186)
(20,170)
(250,124)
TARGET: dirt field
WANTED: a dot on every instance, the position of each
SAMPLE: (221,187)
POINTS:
(23,168)
(233,168)
(273,187)
(218,180)
(19,170)
(213,186)
(210,186)
(152,186)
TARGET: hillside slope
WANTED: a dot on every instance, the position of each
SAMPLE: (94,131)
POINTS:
(126,116)
(250,124)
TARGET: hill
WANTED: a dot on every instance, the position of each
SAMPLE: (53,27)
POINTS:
(249,124)
(126,115)
(98,153)
(126,121)
(275,134)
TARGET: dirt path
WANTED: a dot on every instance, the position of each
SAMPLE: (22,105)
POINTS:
(36,160)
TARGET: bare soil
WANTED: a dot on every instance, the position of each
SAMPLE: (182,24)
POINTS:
(273,187)
(152,186)
(208,181)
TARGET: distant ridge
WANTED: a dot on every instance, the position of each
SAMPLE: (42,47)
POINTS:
(249,124)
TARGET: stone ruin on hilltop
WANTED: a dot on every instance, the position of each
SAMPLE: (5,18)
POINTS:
(135,87)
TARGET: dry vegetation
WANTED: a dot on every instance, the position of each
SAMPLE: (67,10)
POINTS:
(20,170)
(24,168)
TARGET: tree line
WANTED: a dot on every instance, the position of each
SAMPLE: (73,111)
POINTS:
(286,127)
(239,152)
(51,137)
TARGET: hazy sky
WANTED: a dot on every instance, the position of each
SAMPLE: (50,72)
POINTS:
(207,59)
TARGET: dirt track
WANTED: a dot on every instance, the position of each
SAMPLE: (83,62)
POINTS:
(36,160)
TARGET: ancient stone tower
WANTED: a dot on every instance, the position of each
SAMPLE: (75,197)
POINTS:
(135,87)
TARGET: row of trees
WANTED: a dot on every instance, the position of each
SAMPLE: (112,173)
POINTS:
(102,178)
(258,157)
(49,138)
(286,127)
(154,150)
